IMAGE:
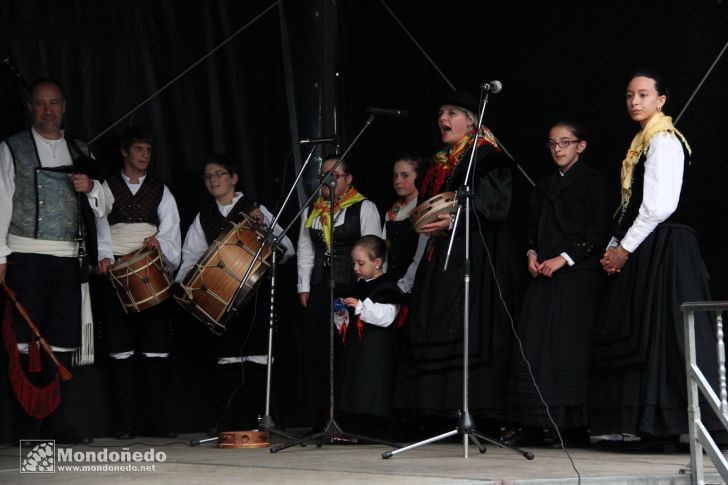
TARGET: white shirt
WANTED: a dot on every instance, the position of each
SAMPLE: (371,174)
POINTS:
(52,153)
(168,235)
(407,281)
(379,314)
(195,243)
(664,164)
(369,223)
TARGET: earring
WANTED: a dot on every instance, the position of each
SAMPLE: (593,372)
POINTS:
(659,108)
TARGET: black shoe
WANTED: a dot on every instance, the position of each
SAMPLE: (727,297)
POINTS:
(71,437)
(158,432)
(646,444)
(659,444)
(573,438)
(125,434)
(527,436)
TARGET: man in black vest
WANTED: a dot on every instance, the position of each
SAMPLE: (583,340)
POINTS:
(41,193)
(144,216)
(241,351)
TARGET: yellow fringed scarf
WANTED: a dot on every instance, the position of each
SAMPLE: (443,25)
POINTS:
(321,209)
(657,124)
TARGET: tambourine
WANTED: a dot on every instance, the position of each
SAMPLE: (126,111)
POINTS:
(243,439)
(426,212)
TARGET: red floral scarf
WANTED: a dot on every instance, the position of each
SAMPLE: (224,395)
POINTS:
(449,157)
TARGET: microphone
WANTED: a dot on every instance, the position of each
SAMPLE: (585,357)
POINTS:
(493,87)
(318,141)
(390,112)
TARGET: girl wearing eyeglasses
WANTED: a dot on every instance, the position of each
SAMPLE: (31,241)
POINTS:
(242,350)
(437,306)
(655,265)
(567,229)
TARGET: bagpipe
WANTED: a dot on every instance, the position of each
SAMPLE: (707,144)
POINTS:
(38,402)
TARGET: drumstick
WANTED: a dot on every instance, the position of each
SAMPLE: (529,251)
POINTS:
(142,248)
(65,375)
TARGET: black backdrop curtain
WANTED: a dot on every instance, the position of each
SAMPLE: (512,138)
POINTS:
(109,56)
(555,59)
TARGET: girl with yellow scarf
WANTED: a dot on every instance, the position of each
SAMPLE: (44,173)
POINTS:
(655,263)
(353,217)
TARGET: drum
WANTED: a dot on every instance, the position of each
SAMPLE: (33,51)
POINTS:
(140,280)
(427,212)
(243,439)
(210,286)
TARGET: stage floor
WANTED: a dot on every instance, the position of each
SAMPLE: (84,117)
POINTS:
(440,463)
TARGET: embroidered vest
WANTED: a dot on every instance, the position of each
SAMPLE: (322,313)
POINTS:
(45,206)
(139,207)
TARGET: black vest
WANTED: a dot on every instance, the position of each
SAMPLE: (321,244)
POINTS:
(345,236)
(213,222)
(629,213)
(140,207)
(402,242)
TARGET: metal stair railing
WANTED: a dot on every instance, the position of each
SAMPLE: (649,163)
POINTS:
(699,437)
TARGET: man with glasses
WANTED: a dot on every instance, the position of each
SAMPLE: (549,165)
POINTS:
(144,216)
(241,351)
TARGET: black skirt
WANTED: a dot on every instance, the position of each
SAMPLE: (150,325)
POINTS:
(436,326)
(366,371)
(316,345)
(639,384)
(555,328)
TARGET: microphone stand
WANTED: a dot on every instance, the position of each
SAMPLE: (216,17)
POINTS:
(465,426)
(331,431)
(266,422)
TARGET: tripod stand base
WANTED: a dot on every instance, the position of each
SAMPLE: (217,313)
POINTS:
(465,429)
(267,424)
(332,434)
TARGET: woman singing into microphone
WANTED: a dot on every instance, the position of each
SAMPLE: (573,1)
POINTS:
(437,307)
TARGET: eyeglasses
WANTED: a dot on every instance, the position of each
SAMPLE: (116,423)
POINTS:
(337,176)
(560,143)
(216,175)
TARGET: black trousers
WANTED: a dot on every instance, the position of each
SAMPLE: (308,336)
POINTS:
(49,287)
(147,332)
